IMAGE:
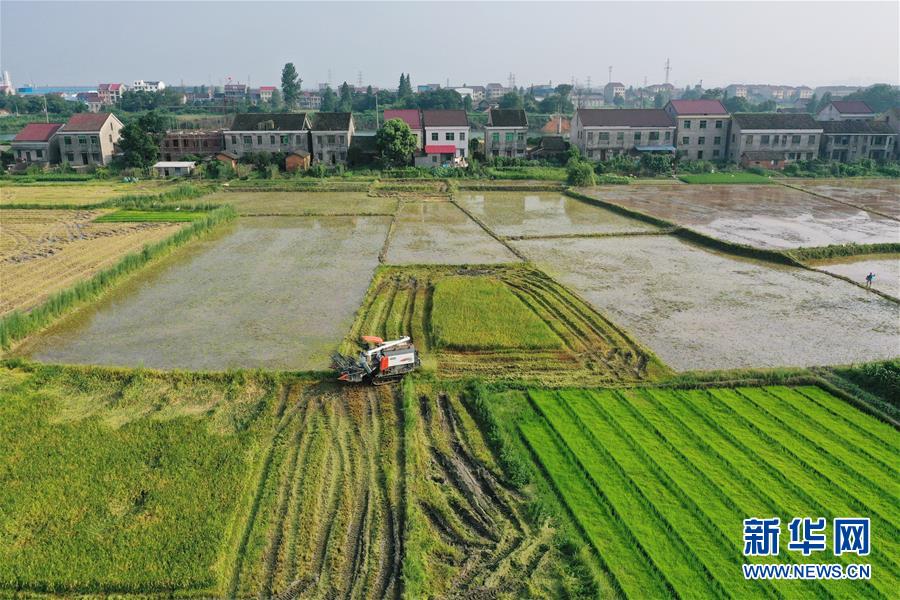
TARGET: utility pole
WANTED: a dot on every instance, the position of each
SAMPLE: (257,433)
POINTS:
(668,68)
(376,110)
(359,79)
(642,91)
(610,74)
(589,84)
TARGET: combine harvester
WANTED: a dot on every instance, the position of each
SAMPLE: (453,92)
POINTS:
(385,363)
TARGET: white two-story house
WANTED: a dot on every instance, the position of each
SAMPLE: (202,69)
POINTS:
(446,138)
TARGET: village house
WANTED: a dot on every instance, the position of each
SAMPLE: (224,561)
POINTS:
(297,160)
(505,133)
(791,136)
(613,89)
(147,86)
(331,137)
(310,100)
(847,141)
(265,93)
(846,110)
(552,147)
(91,99)
(176,144)
(701,128)
(601,134)
(89,139)
(494,91)
(267,132)
(892,118)
(411,117)
(111,93)
(446,138)
(36,144)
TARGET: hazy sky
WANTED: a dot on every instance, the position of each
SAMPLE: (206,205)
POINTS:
(813,43)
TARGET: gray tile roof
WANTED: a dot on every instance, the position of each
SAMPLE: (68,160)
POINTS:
(775,121)
(325,121)
(270,122)
(507,117)
(857,126)
(445,118)
(625,117)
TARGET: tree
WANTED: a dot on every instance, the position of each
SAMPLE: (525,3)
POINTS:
(713,94)
(329,100)
(511,100)
(395,143)
(290,85)
(563,89)
(880,97)
(619,101)
(276,101)
(346,102)
(693,93)
(467,103)
(812,103)
(656,164)
(444,98)
(405,89)
(139,148)
(152,123)
(659,100)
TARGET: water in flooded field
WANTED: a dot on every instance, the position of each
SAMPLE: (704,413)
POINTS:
(267,292)
(880,195)
(545,213)
(698,309)
(885,267)
(440,233)
(764,216)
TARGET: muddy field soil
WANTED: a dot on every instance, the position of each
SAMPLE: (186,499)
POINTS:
(305,203)
(698,309)
(441,233)
(277,293)
(535,214)
(885,267)
(764,216)
(878,195)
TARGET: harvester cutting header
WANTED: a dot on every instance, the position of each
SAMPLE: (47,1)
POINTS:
(384,363)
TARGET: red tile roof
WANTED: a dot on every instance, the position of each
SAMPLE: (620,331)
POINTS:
(698,107)
(440,149)
(86,121)
(411,117)
(553,124)
(267,88)
(851,106)
(37,132)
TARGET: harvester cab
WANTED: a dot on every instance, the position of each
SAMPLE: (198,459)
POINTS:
(382,363)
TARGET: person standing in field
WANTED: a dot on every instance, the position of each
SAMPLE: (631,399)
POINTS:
(869,279)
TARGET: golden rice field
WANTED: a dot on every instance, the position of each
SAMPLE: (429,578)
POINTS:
(44,251)
(81,194)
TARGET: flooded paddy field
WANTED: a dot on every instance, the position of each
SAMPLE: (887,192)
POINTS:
(266,292)
(441,233)
(305,203)
(885,267)
(698,309)
(879,195)
(536,214)
(45,251)
(764,216)
(74,193)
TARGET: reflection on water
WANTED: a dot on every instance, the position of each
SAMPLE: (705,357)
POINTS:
(545,213)
(266,292)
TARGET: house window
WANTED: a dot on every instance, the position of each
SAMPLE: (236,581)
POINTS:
(701,140)
(764,139)
(717,140)
(39,153)
(718,124)
(95,139)
(272,140)
(510,136)
(702,124)
(637,136)
(685,140)
(285,139)
(343,155)
(603,136)
(248,140)
(450,136)
(654,136)
(716,153)
(687,124)
(434,158)
(795,139)
(809,156)
(812,139)
(699,154)
(462,136)
(82,140)
(95,157)
(590,136)
(668,136)
(68,140)
(234,139)
(330,139)
(520,137)
(434,136)
(748,140)
(620,137)
(340,139)
(70,156)
(495,138)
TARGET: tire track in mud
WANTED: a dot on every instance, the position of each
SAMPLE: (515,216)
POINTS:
(495,539)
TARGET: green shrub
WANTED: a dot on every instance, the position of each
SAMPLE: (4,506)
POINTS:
(580,174)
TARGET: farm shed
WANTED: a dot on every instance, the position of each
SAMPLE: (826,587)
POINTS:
(297,160)
(174,168)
